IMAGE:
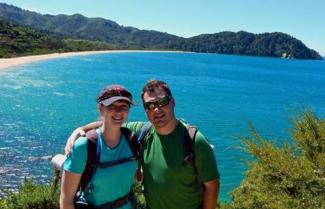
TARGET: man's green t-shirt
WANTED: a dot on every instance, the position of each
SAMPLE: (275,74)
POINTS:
(167,183)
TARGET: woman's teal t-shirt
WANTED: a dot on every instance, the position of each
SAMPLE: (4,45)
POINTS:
(107,184)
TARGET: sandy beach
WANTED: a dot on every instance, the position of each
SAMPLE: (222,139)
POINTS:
(5,63)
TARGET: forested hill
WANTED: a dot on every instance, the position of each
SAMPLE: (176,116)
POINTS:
(18,40)
(98,29)
(80,27)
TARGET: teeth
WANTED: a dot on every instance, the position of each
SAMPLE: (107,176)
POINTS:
(114,118)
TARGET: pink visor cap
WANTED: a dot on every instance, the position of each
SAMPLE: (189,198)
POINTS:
(113,93)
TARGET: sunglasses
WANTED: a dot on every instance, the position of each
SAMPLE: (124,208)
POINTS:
(161,102)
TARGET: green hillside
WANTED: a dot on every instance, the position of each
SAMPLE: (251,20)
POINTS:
(18,40)
(244,43)
(119,37)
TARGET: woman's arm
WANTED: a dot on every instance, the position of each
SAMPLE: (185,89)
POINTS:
(80,132)
(69,185)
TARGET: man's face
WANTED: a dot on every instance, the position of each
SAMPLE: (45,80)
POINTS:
(159,107)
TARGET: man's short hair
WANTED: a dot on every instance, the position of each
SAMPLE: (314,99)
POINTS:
(151,85)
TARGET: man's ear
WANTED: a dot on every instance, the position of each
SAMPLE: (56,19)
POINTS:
(173,102)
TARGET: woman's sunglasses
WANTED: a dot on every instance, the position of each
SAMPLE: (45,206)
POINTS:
(161,102)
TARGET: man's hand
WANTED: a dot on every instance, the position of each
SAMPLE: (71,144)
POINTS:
(72,138)
(81,131)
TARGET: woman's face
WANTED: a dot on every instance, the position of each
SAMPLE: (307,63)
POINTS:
(116,113)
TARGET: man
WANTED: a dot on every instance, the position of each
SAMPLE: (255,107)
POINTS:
(168,183)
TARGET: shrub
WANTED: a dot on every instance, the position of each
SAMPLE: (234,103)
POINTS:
(287,177)
(32,196)
(36,196)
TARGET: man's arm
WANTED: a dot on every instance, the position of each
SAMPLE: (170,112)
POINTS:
(207,170)
(210,195)
(80,132)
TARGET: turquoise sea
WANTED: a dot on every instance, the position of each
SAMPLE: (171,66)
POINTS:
(41,103)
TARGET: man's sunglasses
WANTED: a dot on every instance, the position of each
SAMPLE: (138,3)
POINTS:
(161,102)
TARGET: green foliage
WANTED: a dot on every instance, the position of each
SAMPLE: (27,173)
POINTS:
(17,40)
(119,37)
(139,197)
(84,45)
(287,177)
(32,196)
(243,43)
(309,133)
(36,196)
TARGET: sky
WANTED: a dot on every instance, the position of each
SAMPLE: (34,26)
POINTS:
(302,19)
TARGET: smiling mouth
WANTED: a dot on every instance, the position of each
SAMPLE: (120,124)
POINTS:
(118,119)
(159,116)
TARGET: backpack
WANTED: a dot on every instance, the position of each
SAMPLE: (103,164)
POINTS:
(93,155)
(188,145)
(92,163)
(136,145)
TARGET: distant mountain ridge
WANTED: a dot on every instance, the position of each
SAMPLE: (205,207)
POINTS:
(99,29)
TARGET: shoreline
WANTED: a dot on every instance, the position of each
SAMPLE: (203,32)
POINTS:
(6,63)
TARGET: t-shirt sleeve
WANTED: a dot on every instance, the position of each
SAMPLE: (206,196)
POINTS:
(76,160)
(135,127)
(205,159)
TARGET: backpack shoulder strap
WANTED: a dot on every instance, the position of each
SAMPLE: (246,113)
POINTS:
(145,129)
(132,140)
(189,144)
(93,154)
(189,148)
(92,137)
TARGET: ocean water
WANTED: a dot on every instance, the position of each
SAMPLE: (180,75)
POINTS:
(41,103)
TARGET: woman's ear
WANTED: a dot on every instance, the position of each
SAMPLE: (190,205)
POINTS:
(100,108)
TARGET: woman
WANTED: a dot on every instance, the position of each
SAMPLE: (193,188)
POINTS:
(109,187)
